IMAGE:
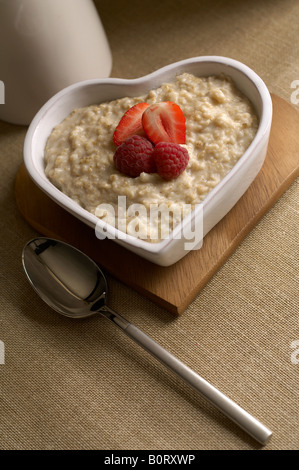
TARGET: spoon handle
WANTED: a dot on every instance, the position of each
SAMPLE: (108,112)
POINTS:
(237,414)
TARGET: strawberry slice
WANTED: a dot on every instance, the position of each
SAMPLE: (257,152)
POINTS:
(164,122)
(130,124)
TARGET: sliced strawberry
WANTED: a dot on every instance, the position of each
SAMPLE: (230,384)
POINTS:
(130,124)
(164,122)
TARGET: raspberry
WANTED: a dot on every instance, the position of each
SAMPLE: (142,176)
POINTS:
(134,156)
(171,159)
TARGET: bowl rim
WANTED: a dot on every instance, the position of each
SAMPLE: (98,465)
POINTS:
(71,206)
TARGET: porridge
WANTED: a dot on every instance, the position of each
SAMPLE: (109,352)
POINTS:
(220,125)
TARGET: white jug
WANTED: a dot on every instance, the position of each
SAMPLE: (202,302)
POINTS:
(46,45)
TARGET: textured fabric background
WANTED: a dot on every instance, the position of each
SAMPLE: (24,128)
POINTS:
(84,385)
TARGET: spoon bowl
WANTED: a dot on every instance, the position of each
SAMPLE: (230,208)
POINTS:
(73,285)
(68,281)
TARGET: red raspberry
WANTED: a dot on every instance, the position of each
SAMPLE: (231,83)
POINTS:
(171,159)
(134,156)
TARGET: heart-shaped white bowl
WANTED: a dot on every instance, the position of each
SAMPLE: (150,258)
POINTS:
(219,200)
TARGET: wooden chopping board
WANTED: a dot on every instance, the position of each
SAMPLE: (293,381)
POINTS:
(174,287)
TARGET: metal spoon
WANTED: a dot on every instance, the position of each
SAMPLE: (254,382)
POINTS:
(72,284)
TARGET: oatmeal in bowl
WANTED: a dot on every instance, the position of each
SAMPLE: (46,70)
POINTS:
(203,124)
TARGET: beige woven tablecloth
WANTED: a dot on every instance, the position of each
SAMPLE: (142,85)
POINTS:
(85,385)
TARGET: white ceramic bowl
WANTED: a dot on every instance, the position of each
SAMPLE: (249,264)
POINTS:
(216,204)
